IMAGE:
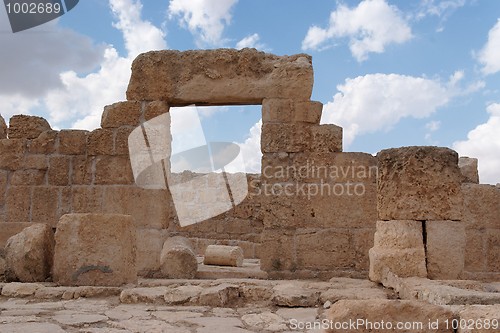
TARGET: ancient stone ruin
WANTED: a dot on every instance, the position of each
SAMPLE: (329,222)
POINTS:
(74,211)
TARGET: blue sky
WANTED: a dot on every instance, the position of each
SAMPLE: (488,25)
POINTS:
(392,73)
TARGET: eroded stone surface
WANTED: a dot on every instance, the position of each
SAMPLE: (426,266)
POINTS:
(222,76)
(27,127)
(28,254)
(419,183)
(95,249)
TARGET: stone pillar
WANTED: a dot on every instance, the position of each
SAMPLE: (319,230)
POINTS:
(422,186)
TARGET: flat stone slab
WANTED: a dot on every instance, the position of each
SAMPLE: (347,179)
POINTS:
(222,76)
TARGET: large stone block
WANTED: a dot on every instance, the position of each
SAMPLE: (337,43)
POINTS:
(155,109)
(399,234)
(81,169)
(121,140)
(45,204)
(151,209)
(222,76)
(45,143)
(95,250)
(481,206)
(286,110)
(402,262)
(27,127)
(87,199)
(419,183)
(277,252)
(121,114)
(100,142)
(113,170)
(17,204)
(326,138)
(468,168)
(333,244)
(475,251)
(12,153)
(285,137)
(149,246)
(31,177)
(28,254)
(445,248)
(380,315)
(58,173)
(73,142)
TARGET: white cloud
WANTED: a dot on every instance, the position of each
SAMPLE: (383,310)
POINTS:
(206,19)
(81,100)
(250,149)
(250,41)
(375,102)
(489,56)
(483,142)
(433,125)
(17,104)
(370,27)
(440,8)
(139,36)
(32,59)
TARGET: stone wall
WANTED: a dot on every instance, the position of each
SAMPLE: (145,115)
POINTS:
(313,210)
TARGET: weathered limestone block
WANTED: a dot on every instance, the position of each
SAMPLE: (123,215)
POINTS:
(73,142)
(468,168)
(222,76)
(121,140)
(12,153)
(58,173)
(368,316)
(483,317)
(155,109)
(81,170)
(45,202)
(17,203)
(95,250)
(113,170)
(399,248)
(295,295)
(404,263)
(149,246)
(475,253)
(178,260)
(481,206)
(399,234)
(419,183)
(18,289)
(445,249)
(285,137)
(493,250)
(326,138)
(28,177)
(284,110)
(100,142)
(45,143)
(222,255)
(2,269)
(3,128)
(28,254)
(121,114)
(27,127)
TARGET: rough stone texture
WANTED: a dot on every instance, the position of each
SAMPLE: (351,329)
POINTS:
(326,138)
(12,153)
(398,248)
(2,268)
(223,255)
(372,312)
(18,289)
(468,168)
(3,128)
(285,137)
(73,142)
(95,250)
(481,206)
(222,76)
(27,127)
(29,254)
(286,111)
(480,316)
(294,295)
(419,183)
(121,114)
(445,248)
(178,260)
